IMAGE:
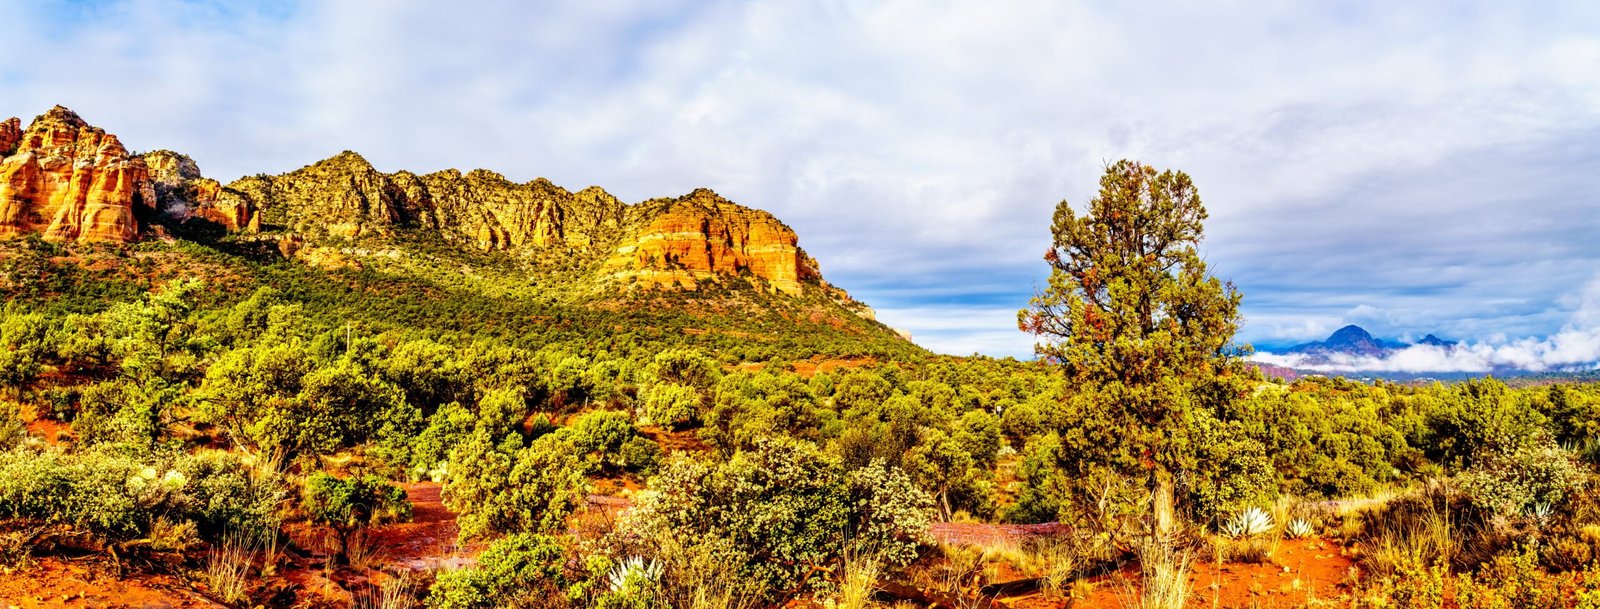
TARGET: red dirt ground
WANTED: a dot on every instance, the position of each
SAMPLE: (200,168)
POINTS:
(53,582)
(1298,574)
(429,540)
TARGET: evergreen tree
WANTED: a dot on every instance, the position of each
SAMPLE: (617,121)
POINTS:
(1139,327)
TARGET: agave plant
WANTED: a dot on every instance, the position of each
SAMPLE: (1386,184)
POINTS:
(632,572)
(1539,513)
(1248,523)
(1299,529)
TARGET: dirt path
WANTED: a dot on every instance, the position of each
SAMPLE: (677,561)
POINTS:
(429,540)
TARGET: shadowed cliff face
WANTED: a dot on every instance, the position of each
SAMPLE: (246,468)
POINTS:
(66,180)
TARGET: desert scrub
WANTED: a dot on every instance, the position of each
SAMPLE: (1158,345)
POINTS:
(120,497)
(515,567)
(1516,479)
(501,485)
(784,511)
(349,505)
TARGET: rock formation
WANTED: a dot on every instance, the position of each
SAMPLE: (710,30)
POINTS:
(681,242)
(67,180)
(10,136)
(701,236)
(183,195)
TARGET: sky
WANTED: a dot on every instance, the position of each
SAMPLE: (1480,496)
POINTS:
(1417,167)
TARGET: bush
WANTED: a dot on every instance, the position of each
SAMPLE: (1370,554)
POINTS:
(509,488)
(782,509)
(12,430)
(640,454)
(351,504)
(518,566)
(120,497)
(669,405)
(1515,478)
(447,428)
(599,435)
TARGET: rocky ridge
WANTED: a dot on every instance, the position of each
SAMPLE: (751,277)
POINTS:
(67,180)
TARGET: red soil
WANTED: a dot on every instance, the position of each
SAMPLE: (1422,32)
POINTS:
(53,582)
(429,540)
(1299,573)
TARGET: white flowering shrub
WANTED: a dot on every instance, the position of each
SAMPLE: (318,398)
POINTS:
(1511,480)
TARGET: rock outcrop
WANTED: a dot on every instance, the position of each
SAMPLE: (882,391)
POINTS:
(681,242)
(183,195)
(344,196)
(66,180)
(702,236)
(10,136)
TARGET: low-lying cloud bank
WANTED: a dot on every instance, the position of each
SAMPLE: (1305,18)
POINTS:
(1576,347)
(1569,350)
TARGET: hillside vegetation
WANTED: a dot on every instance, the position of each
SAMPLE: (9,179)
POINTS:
(224,407)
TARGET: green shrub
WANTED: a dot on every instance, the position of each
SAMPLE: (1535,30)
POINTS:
(1514,478)
(669,405)
(639,454)
(783,508)
(520,566)
(119,497)
(353,503)
(12,430)
(509,488)
(447,428)
(599,436)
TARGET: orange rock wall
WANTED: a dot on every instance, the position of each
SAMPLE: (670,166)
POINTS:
(69,181)
(702,235)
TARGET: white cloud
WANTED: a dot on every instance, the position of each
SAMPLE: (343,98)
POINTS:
(1425,159)
(1575,346)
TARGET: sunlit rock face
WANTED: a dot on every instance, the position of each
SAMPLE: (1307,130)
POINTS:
(68,181)
(700,236)
(184,195)
(662,243)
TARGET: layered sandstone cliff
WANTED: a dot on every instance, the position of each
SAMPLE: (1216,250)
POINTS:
(66,180)
(702,236)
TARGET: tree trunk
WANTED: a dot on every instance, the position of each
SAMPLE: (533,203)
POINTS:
(1161,503)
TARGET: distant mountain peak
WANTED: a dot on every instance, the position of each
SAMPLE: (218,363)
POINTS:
(1435,341)
(1349,340)
(1351,334)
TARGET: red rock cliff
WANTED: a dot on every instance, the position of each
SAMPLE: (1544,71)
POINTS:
(701,235)
(69,181)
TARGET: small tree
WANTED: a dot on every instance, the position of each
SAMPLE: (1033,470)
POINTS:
(348,505)
(1138,325)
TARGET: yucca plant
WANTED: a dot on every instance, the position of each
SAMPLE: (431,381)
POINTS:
(1299,529)
(633,572)
(1539,513)
(1248,523)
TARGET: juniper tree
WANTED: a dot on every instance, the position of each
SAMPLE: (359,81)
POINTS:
(1139,327)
